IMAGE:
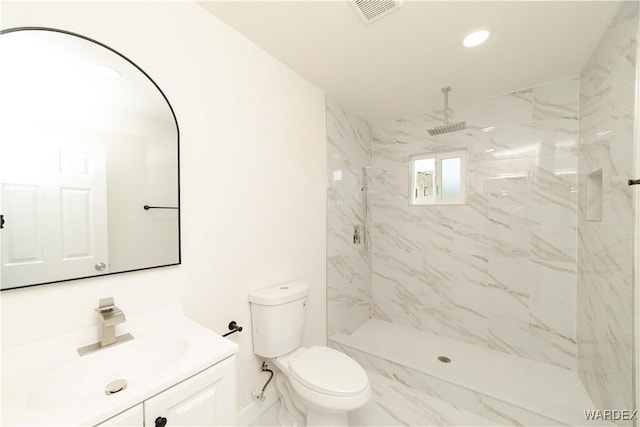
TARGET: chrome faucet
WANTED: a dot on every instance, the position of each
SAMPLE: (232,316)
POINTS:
(110,316)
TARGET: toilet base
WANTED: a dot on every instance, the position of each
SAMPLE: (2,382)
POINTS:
(293,414)
(290,414)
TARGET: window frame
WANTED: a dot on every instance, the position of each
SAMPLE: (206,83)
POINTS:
(439,157)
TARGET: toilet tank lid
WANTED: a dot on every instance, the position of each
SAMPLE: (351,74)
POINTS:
(280,294)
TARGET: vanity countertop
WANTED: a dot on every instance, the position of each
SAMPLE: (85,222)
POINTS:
(48,383)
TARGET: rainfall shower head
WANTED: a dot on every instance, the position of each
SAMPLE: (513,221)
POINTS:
(447,127)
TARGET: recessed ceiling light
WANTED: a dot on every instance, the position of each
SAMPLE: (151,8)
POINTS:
(476,38)
(488,129)
(107,72)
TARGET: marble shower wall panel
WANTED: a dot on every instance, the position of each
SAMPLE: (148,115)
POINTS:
(349,141)
(499,271)
(605,247)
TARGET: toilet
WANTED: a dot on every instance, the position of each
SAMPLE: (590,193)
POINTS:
(318,386)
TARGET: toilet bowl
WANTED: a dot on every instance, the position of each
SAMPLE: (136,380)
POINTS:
(317,385)
(326,383)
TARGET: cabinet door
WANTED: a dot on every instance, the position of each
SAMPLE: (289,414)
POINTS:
(129,418)
(206,399)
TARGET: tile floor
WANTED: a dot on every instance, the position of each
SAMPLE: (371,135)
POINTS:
(393,404)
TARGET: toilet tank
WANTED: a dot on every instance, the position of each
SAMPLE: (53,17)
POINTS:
(277,318)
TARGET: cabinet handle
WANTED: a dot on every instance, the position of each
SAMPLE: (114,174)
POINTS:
(161,422)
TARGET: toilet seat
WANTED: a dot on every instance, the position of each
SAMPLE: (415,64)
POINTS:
(329,372)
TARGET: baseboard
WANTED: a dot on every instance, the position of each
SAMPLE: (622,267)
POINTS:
(252,411)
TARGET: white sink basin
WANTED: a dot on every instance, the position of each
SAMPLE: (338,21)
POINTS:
(70,382)
(50,384)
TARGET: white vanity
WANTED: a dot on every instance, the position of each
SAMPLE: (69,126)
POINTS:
(177,372)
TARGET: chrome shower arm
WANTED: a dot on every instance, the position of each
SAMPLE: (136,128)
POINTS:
(446,91)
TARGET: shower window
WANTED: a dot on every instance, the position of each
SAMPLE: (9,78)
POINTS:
(438,178)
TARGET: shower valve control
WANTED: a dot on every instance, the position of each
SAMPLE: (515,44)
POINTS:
(356,234)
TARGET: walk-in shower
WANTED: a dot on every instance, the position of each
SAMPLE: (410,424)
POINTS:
(523,287)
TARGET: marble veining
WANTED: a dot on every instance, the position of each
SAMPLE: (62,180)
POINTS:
(400,405)
(518,268)
(504,388)
(499,271)
(348,264)
(605,246)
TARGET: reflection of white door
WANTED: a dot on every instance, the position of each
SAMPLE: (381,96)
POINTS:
(55,210)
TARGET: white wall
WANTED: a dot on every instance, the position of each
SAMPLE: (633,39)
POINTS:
(252,176)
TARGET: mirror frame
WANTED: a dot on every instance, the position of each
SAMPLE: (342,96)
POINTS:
(70,33)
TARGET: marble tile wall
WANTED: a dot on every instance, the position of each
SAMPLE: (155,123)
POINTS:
(605,247)
(395,404)
(499,271)
(349,141)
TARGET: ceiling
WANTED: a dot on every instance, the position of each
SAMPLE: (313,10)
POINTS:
(395,66)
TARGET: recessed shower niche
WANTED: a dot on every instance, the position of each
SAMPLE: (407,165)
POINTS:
(594,196)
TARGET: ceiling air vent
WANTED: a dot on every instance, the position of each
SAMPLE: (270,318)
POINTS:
(371,10)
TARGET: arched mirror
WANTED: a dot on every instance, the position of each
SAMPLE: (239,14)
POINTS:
(89,173)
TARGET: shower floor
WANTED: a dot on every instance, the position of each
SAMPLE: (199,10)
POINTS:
(484,386)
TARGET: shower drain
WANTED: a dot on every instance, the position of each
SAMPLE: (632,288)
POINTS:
(444,359)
